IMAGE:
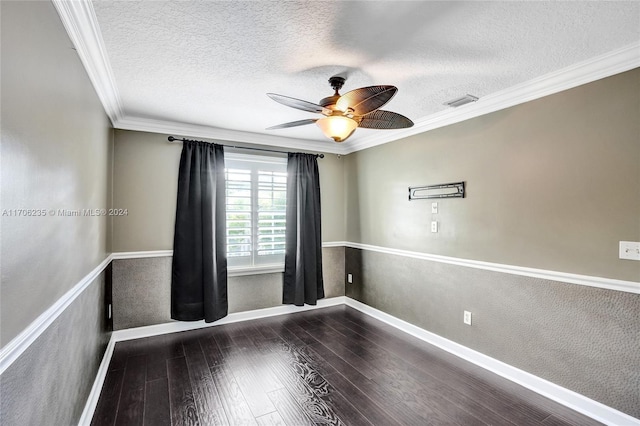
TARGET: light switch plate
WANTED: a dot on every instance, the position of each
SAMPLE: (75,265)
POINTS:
(629,250)
(467,317)
(434,208)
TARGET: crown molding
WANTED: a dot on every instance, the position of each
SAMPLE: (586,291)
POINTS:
(207,132)
(80,21)
(606,65)
(81,24)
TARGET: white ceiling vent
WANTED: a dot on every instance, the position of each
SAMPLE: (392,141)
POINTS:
(461,101)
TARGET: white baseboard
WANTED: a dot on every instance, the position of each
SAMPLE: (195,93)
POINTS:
(566,397)
(174,327)
(94,395)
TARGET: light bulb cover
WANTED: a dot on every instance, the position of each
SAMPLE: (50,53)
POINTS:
(337,127)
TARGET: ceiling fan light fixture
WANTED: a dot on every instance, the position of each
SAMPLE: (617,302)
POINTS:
(337,127)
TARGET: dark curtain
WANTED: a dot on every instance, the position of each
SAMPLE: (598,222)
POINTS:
(303,253)
(199,270)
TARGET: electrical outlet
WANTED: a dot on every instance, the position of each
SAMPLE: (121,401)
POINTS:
(350,278)
(434,226)
(629,250)
(467,317)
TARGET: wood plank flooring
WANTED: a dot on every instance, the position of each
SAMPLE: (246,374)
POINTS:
(332,366)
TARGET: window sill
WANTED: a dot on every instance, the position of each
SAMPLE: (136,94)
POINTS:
(240,271)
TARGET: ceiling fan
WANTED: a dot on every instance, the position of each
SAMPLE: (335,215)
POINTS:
(344,113)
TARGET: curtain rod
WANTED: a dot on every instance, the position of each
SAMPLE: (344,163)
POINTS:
(172,139)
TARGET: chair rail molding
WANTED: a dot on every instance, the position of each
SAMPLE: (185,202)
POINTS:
(16,347)
(586,280)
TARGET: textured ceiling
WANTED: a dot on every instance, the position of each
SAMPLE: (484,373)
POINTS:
(211,63)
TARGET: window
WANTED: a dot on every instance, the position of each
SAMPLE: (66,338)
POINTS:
(256,200)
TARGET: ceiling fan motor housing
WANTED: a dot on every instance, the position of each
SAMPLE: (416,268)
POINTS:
(336,82)
(330,101)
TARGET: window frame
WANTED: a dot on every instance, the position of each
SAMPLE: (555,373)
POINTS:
(255,163)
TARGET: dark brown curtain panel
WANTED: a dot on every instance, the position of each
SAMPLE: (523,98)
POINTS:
(199,270)
(302,281)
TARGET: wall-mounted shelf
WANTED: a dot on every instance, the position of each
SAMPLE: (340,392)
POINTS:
(443,190)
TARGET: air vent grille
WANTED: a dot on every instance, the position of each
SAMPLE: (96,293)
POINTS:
(461,101)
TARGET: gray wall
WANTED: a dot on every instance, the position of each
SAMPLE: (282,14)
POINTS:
(49,384)
(145,179)
(55,143)
(142,289)
(582,338)
(145,183)
(552,184)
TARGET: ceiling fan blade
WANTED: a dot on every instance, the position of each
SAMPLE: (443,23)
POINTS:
(296,103)
(381,119)
(366,99)
(293,124)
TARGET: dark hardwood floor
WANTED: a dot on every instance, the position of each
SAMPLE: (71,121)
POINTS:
(327,366)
